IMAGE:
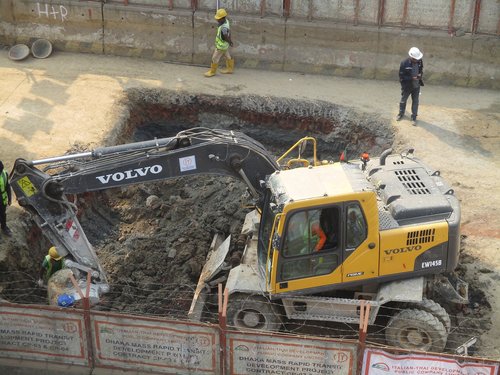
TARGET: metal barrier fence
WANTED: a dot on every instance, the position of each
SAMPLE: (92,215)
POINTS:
(55,336)
(476,17)
(101,341)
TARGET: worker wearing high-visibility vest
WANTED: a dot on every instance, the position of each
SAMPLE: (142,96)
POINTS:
(222,43)
(5,199)
(52,263)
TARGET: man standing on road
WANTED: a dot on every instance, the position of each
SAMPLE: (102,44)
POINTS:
(410,77)
(5,199)
(222,43)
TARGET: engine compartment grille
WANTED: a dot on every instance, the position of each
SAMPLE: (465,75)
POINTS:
(420,236)
(412,182)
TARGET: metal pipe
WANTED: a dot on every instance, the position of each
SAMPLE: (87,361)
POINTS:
(381,10)
(98,152)
(286,8)
(384,155)
(475,19)
(243,175)
(62,158)
(405,14)
(452,15)
(137,146)
(356,13)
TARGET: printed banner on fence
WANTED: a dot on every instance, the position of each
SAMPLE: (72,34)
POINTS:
(153,345)
(377,362)
(281,355)
(45,334)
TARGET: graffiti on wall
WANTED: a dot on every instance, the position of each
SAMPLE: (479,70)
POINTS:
(52,11)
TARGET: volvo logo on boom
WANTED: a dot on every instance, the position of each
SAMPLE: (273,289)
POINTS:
(406,249)
(130,174)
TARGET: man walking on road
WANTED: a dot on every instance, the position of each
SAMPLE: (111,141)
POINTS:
(410,77)
(222,43)
(5,199)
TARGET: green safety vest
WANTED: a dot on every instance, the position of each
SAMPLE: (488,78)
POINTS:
(219,42)
(58,265)
(3,187)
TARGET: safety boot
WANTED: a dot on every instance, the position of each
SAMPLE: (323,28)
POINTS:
(212,71)
(229,67)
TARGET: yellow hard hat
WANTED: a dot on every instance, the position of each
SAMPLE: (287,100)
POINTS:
(54,254)
(221,13)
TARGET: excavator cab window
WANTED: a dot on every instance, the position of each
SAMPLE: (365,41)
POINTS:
(356,229)
(310,243)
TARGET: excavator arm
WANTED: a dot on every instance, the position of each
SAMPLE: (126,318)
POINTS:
(44,192)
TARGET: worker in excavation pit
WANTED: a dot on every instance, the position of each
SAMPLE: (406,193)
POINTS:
(52,263)
(222,43)
(5,199)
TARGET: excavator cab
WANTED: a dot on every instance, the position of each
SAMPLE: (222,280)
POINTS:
(321,243)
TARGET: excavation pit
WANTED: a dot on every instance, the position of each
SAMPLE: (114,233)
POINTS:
(159,233)
(152,239)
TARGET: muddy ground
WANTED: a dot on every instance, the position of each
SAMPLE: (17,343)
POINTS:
(152,239)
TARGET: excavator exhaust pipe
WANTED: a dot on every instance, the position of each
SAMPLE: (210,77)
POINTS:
(384,155)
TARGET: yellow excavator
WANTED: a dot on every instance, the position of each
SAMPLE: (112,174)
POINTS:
(323,235)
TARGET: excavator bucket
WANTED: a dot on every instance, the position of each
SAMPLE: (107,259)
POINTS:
(208,278)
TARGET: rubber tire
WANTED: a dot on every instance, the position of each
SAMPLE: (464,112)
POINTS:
(241,305)
(435,309)
(433,332)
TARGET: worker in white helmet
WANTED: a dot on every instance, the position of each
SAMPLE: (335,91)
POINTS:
(411,71)
(222,43)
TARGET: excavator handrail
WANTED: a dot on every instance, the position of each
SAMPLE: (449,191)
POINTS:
(270,246)
(299,144)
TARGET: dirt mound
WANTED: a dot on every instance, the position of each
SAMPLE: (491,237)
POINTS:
(157,239)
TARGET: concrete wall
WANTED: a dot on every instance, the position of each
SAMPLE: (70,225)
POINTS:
(352,38)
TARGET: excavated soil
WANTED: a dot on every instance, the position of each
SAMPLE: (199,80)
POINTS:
(157,236)
(153,239)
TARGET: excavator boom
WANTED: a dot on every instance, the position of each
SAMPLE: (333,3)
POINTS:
(43,192)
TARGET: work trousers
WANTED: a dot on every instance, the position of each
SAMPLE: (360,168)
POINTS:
(3,216)
(406,90)
(218,53)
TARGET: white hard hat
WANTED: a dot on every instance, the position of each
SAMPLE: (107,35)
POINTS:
(415,53)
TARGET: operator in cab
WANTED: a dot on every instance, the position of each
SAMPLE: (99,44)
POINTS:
(52,263)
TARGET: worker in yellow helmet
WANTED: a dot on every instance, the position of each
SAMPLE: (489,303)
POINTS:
(52,263)
(222,43)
